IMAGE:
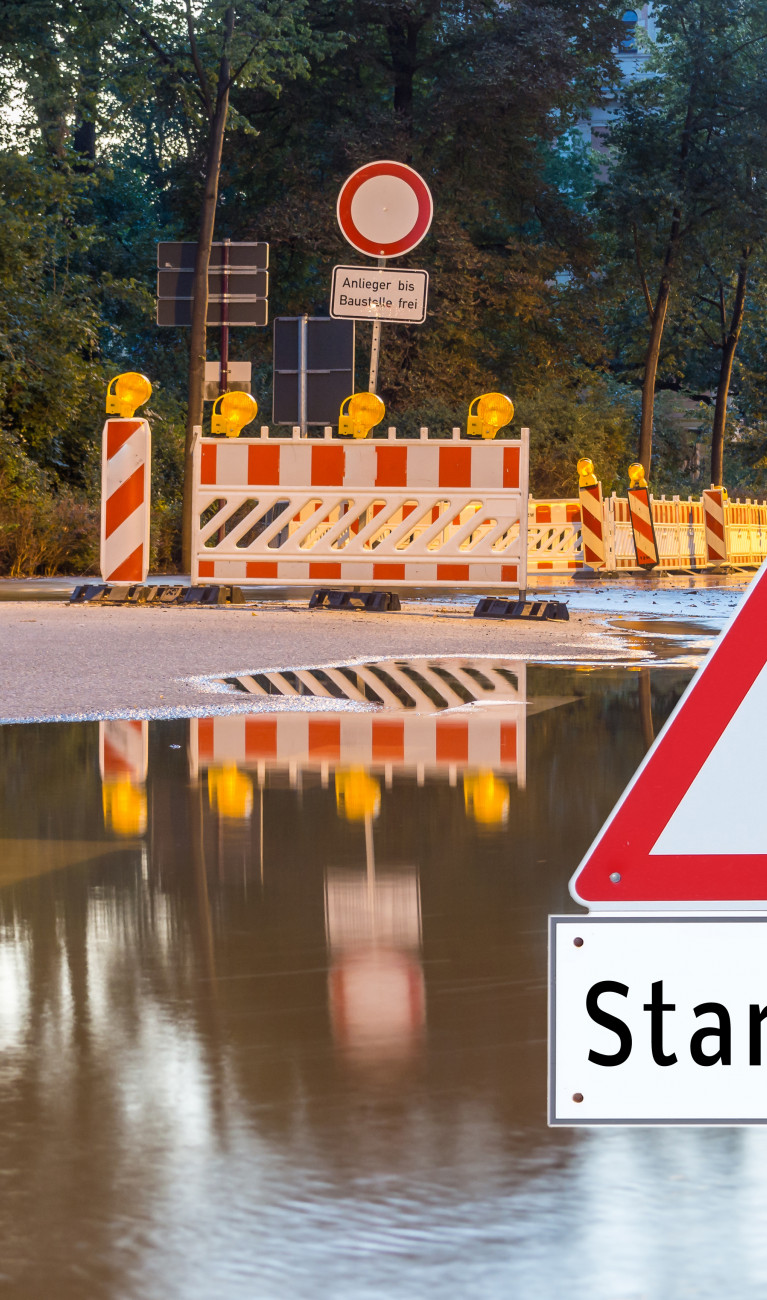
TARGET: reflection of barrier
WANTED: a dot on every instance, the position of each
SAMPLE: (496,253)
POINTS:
(493,740)
(123,759)
(434,512)
(424,685)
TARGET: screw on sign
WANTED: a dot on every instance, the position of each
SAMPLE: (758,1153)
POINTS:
(384,210)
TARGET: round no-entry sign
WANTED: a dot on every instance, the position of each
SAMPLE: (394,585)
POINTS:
(384,209)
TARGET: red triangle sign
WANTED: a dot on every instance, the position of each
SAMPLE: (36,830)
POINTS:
(691,827)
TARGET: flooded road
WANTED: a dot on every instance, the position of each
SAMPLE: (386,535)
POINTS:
(273,1009)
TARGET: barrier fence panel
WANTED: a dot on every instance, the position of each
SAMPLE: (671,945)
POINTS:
(554,536)
(375,512)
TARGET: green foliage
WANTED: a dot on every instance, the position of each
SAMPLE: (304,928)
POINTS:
(580,416)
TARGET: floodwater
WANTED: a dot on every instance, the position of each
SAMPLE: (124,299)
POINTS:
(273,1018)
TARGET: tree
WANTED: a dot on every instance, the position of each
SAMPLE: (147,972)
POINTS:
(255,43)
(688,148)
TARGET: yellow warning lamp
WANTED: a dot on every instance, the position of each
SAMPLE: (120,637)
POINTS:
(636,475)
(124,807)
(358,795)
(363,412)
(494,410)
(126,393)
(231,412)
(486,798)
(718,487)
(586,475)
(230,792)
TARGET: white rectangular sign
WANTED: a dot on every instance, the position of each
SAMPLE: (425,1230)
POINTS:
(658,1019)
(373,293)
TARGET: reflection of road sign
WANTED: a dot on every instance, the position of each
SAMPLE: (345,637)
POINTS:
(359,293)
(690,827)
(384,209)
(238,283)
(313,369)
(657,1020)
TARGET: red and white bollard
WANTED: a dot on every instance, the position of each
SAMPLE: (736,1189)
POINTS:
(125,483)
(714,500)
(592,515)
(640,508)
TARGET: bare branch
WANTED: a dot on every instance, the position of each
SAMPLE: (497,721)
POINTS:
(642,276)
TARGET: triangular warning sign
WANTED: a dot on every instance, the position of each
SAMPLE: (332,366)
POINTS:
(691,826)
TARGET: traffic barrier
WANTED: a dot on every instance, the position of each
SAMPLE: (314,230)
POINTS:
(554,536)
(713,512)
(745,532)
(374,512)
(125,495)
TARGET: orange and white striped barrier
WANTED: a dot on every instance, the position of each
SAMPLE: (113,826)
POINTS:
(125,500)
(714,502)
(640,509)
(554,537)
(375,511)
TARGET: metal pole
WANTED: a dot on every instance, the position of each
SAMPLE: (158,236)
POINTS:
(223,381)
(303,338)
(375,346)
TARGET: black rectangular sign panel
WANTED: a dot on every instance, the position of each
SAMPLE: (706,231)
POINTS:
(242,256)
(178,311)
(240,284)
(329,367)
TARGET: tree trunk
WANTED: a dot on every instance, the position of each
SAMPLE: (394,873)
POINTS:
(658,320)
(725,375)
(198,332)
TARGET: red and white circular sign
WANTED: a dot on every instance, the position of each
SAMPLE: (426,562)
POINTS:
(384,209)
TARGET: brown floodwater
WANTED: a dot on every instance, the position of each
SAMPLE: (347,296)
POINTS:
(273,1018)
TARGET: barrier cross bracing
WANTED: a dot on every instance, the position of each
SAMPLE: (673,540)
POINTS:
(423,686)
(374,512)
(554,536)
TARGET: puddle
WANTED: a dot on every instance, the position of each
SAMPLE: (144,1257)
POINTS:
(681,641)
(273,1010)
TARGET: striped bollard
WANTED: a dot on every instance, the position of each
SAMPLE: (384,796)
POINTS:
(592,515)
(640,508)
(125,483)
(714,500)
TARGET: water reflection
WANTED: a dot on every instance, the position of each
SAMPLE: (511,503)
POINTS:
(289,1030)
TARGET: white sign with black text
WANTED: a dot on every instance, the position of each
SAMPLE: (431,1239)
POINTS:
(373,293)
(658,1019)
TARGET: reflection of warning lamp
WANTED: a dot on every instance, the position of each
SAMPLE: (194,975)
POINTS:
(124,807)
(636,476)
(494,410)
(486,798)
(231,412)
(127,392)
(586,475)
(363,412)
(358,795)
(230,792)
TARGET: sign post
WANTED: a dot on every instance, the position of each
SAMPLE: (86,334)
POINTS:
(384,210)
(658,1000)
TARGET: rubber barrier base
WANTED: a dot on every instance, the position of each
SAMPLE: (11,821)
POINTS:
(377,602)
(494,607)
(105,594)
